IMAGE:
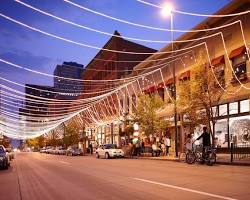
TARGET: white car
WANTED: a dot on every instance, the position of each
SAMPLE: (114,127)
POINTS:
(109,151)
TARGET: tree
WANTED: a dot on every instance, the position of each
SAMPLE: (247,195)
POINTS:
(146,114)
(37,142)
(32,142)
(71,134)
(197,96)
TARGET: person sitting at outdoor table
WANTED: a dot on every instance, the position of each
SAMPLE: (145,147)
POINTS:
(156,150)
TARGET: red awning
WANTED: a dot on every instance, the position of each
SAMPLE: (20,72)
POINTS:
(237,52)
(150,90)
(185,75)
(169,81)
(217,61)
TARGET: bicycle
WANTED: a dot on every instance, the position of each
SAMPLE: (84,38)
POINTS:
(195,155)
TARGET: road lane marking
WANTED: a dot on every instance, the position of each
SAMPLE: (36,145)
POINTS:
(185,189)
(64,162)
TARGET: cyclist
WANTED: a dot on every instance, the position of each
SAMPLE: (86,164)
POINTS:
(206,140)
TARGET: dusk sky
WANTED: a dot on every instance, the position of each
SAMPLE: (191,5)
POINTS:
(34,50)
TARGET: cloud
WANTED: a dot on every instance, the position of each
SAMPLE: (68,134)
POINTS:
(26,58)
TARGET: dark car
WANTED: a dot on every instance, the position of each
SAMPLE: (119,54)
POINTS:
(74,151)
(4,158)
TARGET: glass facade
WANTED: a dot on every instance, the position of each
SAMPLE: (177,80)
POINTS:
(239,129)
(223,110)
(233,108)
(244,106)
(221,133)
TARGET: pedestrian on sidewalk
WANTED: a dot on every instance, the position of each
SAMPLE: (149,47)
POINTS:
(90,148)
(167,144)
(163,148)
(188,143)
(142,146)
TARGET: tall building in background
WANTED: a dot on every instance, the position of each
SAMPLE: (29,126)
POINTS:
(71,70)
(37,101)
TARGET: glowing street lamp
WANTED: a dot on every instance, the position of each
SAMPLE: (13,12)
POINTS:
(167,10)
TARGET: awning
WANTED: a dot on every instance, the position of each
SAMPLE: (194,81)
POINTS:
(150,90)
(217,61)
(236,52)
(169,81)
(185,75)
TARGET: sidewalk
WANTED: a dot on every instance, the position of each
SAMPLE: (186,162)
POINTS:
(223,159)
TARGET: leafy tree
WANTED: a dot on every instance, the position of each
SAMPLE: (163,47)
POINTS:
(146,114)
(32,142)
(53,139)
(197,96)
(71,134)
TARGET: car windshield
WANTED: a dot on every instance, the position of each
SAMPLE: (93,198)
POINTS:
(110,146)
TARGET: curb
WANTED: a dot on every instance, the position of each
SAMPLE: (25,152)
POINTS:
(177,160)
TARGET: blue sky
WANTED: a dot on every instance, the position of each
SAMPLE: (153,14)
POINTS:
(34,50)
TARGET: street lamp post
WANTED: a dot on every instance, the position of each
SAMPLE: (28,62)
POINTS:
(167,10)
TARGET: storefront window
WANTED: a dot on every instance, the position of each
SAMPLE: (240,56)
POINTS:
(223,110)
(233,108)
(215,111)
(239,65)
(244,106)
(221,133)
(239,129)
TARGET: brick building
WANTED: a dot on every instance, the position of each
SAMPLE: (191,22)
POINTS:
(233,109)
(108,66)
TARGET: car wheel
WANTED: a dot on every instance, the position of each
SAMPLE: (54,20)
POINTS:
(107,156)
(97,155)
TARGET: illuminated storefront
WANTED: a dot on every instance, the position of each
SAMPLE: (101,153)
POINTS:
(233,123)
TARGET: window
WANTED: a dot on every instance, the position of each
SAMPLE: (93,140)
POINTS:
(215,111)
(233,108)
(223,110)
(171,89)
(239,66)
(134,103)
(244,106)
(161,93)
(128,105)
(220,73)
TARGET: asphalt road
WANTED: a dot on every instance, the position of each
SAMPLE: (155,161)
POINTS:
(35,176)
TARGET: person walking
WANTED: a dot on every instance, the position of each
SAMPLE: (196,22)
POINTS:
(90,148)
(142,146)
(168,145)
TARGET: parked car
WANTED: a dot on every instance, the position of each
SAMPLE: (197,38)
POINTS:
(4,158)
(48,150)
(61,151)
(109,151)
(43,150)
(74,151)
(10,153)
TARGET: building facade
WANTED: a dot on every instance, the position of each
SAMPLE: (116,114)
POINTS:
(227,52)
(70,70)
(108,65)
